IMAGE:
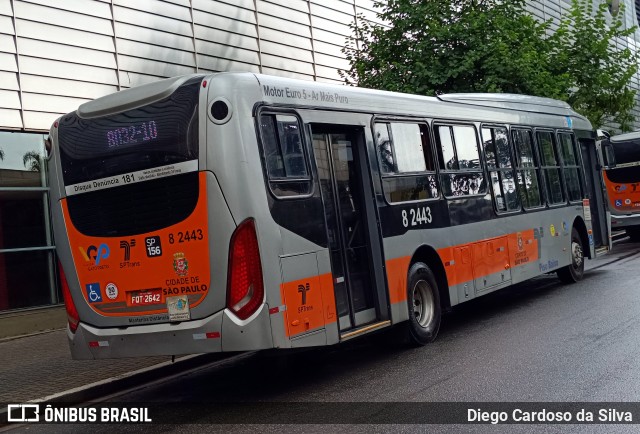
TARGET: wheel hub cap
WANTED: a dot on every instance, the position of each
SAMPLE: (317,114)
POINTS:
(423,305)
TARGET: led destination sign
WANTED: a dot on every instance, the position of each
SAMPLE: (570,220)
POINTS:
(104,149)
(139,133)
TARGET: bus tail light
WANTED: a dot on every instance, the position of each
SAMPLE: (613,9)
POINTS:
(245,289)
(72,312)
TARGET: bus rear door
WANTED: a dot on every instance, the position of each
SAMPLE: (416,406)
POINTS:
(596,210)
(354,240)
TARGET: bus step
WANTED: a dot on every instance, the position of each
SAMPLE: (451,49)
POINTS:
(364,329)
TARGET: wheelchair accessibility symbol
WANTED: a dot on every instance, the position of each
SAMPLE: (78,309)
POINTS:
(93,293)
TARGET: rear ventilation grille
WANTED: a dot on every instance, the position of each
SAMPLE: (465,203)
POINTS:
(135,208)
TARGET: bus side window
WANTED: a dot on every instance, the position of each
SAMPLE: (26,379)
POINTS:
(497,151)
(572,169)
(462,173)
(284,156)
(406,161)
(527,168)
(550,165)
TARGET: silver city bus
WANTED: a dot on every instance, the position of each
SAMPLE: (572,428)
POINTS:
(236,211)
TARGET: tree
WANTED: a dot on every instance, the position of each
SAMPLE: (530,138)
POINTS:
(600,71)
(434,46)
(437,46)
(31,161)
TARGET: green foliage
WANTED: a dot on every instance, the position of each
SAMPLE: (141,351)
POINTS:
(32,161)
(600,71)
(435,46)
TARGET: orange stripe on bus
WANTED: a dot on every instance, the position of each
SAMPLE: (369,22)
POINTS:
(397,271)
(466,262)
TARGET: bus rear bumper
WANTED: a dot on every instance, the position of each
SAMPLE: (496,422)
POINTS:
(216,333)
(624,221)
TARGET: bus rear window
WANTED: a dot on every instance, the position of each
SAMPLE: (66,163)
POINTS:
(158,134)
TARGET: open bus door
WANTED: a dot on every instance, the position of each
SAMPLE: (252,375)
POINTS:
(597,195)
(354,243)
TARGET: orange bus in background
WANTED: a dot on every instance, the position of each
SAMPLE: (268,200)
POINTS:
(621,177)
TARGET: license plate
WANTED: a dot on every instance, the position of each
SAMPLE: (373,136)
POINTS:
(145,298)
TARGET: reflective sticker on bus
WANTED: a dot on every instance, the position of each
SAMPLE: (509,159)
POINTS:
(135,275)
(133,177)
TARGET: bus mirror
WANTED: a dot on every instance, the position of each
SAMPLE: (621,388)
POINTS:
(603,134)
(48,146)
(608,156)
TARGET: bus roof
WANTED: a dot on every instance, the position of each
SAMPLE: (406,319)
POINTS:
(635,135)
(508,108)
(514,109)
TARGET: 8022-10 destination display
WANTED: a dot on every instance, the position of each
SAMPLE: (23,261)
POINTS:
(132,134)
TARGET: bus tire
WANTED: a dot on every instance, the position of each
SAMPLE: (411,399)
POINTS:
(575,271)
(423,301)
(633,233)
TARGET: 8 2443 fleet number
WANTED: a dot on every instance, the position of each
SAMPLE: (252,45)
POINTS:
(416,216)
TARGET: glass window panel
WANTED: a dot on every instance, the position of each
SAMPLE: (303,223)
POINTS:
(463,184)
(272,155)
(545,140)
(385,150)
(285,159)
(291,146)
(22,162)
(407,188)
(522,141)
(502,147)
(568,151)
(25,279)
(22,222)
(554,186)
(497,192)
(489,148)
(510,191)
(529,188)
(407,143)
(446,145)
(574,187)
(467,147)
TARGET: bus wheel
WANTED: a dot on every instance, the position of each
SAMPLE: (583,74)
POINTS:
(633,233)
(423,300)
(575,271)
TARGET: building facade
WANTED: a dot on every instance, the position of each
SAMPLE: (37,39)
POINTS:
(55,55)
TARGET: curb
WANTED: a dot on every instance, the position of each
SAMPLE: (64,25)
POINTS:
(114,386)
(120,383)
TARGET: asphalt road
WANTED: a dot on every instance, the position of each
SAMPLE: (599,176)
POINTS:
(539,341)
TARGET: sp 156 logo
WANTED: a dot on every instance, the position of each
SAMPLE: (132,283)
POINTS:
(153,245)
